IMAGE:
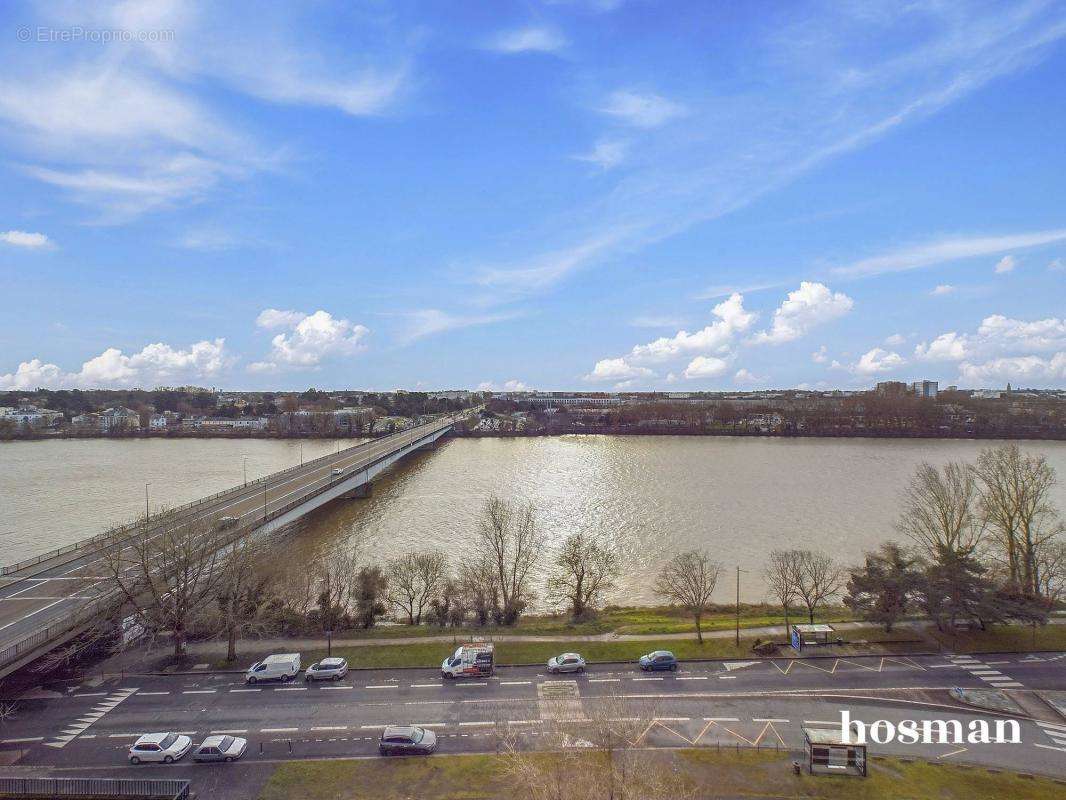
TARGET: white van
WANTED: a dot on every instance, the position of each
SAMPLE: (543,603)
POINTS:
(283,667)
(469,661)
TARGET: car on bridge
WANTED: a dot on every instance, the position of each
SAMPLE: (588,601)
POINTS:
(407,740)
(658,660)
(567,662)
(328,669)
(159,747)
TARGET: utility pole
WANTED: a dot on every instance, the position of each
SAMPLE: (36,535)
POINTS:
(301,454)
(146,512)
(739,570)
(244,460)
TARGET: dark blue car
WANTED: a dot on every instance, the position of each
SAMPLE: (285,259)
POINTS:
(660,659)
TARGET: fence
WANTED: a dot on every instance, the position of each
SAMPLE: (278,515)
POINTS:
(118,534)
(144,788)
(31,641)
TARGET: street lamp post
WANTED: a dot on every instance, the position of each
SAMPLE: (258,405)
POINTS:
(739,570)
(244,462)
(146,512)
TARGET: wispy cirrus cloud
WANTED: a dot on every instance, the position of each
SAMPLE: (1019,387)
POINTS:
(432,321)
(957,248)
(831,99)
(531,39)
(26,240)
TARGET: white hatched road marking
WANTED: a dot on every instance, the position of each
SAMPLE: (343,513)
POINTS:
(71,731)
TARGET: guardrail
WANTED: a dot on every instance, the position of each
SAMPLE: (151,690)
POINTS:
(33,640)
(118,534)
(144,788)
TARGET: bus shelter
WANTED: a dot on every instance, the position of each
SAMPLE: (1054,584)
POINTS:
(832,754)
(817,635)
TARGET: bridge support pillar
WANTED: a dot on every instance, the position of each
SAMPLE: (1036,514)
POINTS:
(360,492)
(428,446)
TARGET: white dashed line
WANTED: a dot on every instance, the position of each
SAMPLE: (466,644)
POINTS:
(278,730)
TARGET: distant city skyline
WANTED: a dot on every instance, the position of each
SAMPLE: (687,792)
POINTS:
(582,196)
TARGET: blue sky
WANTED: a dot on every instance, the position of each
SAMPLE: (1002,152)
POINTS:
(554,194)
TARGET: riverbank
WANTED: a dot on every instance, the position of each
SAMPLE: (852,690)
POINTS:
(428,648)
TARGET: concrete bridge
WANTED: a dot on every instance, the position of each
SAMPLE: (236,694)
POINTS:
(47,600)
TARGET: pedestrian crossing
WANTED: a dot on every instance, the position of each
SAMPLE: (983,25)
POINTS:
(78,727)
(1057,732)
(985,672)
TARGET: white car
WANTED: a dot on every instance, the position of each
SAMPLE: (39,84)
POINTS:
(220,748)
(328,669)
(165,747)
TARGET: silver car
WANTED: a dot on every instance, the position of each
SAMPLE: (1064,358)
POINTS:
(328,669)
(220,748)
(567,662)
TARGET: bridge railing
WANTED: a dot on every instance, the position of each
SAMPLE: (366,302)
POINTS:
(105,602)
(118,534)
(143,788)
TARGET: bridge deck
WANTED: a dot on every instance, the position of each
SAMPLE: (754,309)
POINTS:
(45,594)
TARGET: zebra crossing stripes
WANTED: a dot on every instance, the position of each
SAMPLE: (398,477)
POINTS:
(986,673)
(1057,732)
(79,726)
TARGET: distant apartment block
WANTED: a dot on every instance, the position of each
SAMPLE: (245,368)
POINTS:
(924,388)
(29,416)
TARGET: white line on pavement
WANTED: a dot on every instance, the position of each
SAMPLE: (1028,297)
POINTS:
(246,690)
(199,691)
(330,728)
(515,683)
(20,741)
(278,730)
(388,686)
(721,719)
(483,722)
(696,678)
(151,694)
(324,688)
(232,731)
(426,685)
(291,689)
(767,719)
(604,680)
(1049,747)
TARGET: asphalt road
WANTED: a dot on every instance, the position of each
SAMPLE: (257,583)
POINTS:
(87,728)
(49,595)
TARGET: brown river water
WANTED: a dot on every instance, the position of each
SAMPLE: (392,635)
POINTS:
(652,495)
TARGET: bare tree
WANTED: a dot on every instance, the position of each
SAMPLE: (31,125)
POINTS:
(939,510)
(782,578)
(585,570)
(688,579)
(242,594)
(371,588)
(509,540)
(477,588)
(336,575)
(167,573)
(415,580)
(1016,505)
(819,578)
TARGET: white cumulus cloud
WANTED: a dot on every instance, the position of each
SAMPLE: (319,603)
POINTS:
(942,289)
(733,318)
(1006,264)
(617,369)
(605,154)
(705,367)
(877,361)
(1030,370)
(33,241)
(807,307)
(311,339)
(945,347)
(156,364)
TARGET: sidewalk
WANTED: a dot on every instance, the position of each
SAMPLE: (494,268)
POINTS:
(218,647)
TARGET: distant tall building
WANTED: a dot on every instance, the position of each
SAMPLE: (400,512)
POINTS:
(891,388)
(924,388)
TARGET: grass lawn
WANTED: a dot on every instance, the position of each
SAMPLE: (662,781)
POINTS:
(1014,638)
(743,774)
(618,619)
(430,654)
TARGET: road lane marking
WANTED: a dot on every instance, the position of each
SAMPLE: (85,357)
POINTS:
(330,728)
(767,719)
(1049,747)
(464,685)
(693,678)
(278,730)
(515,683)
(324,688)
(483,722)
(291,689)
(727,677)
(151,694)
(232,731)
(245,690)
(604,680)
(23,740)
(646,679)
(426,685)
(199,691)
(721,719)
(387,686)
